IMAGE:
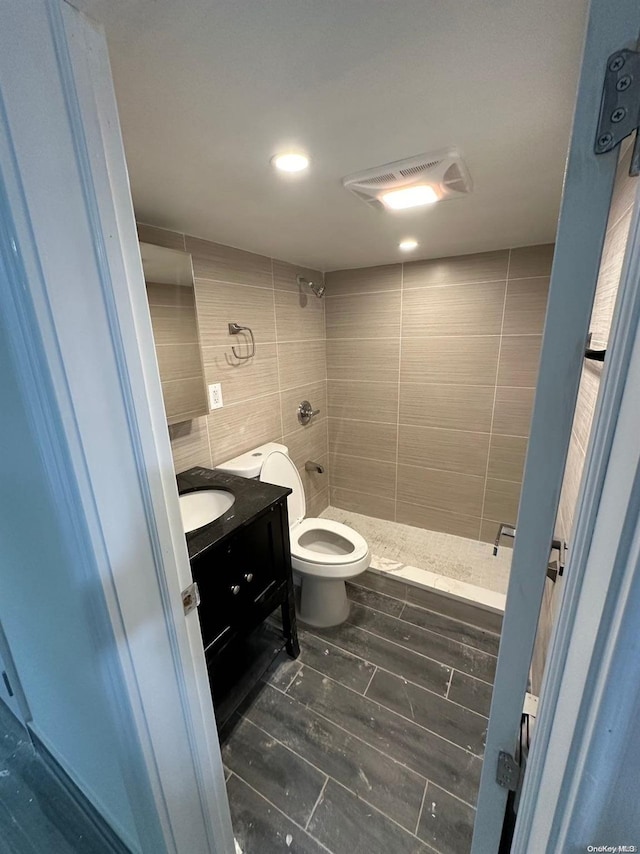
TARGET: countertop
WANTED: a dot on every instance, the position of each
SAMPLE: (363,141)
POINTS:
(252,498)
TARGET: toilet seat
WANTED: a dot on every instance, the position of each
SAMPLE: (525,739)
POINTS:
(304,551)
(339,552)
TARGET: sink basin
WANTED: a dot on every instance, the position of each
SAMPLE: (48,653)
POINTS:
(204,506)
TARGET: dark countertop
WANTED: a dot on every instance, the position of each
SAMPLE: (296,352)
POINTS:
(252,498)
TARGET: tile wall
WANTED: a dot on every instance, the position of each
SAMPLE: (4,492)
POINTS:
(431,369)
(610,267)
(260,395)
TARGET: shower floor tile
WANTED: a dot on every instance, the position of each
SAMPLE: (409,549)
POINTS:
(397,547)
(372,741)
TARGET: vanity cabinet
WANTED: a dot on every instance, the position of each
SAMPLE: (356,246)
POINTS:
(241,563)
(243,579)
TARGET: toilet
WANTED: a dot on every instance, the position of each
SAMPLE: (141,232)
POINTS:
(324,553)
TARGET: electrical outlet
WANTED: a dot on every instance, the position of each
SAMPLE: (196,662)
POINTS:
(215,396)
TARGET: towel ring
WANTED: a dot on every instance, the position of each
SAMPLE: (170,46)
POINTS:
(234,328)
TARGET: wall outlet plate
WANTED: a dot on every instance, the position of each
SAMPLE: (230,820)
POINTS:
(215,396)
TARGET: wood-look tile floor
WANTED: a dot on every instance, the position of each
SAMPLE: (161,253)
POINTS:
(371,742)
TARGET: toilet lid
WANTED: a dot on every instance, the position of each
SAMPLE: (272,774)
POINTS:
(279,470)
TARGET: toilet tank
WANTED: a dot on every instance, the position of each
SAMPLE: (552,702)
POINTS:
(250,463)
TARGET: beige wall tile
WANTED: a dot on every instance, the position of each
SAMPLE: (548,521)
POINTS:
(454,407)
(364,316)
(363,439)
(444,490)
(369,505)
(488,532)
(311,443)
(586,403)
(315,393)
(298,316)
(242,379)
(448,450)
(173,295)
(525,306)
(359,475)
(220,304)
(453,310)
(364,280)
(190,444)
(625,189)
(285,277)
(301,362)
(214,261)
(608,279)
(317,503)
(243,426)
(363,401)
(501,501)
(184,399)
(513,410)
(528,261)
(464,361)
(173,324)
(519,358)
(437,520)
(363,359)
(314,483)
(480,267)
(179,361)
(506,457)
(160,237)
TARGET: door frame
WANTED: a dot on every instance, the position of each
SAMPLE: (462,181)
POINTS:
(582,695)
(84,357)
(588,186)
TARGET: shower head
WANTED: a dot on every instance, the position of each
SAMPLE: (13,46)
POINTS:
(318,289)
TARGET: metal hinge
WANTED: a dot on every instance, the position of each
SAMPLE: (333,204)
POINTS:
(507,772)
(190,598)
(620,106)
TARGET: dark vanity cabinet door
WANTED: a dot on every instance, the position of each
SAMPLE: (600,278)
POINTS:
(242,579)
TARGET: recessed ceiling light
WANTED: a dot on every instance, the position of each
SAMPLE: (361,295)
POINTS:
(409,197)
(408,244)
(290,161)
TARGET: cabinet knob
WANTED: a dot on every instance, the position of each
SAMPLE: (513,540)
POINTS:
(248,576)
(235,589)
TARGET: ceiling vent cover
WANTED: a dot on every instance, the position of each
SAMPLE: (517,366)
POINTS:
(443,170)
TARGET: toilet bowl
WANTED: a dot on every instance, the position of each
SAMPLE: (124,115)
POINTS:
(324,553)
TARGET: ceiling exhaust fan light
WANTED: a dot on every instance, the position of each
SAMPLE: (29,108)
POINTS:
(291,161)
(408,245)
(409,197)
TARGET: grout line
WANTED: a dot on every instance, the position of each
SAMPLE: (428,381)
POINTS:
(395,485)
(277,344)
(375,670)
(282,812)
(421,629)
(424,795)
(398,676)
(391,711)
(318,799)
(450,681)
(495,397)
(326,381)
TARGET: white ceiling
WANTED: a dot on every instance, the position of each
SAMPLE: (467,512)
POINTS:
(209,91)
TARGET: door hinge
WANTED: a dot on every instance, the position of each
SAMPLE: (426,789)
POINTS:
(507,772)
(620,105)
(190,598)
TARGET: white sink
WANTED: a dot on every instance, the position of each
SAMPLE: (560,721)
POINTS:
(204,506)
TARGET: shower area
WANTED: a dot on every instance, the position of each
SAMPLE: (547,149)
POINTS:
(431,373)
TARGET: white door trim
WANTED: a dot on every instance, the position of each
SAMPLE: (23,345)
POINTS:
(583,218)
(596,606)
(83,347)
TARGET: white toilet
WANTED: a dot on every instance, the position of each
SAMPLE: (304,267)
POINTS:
(324,553)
